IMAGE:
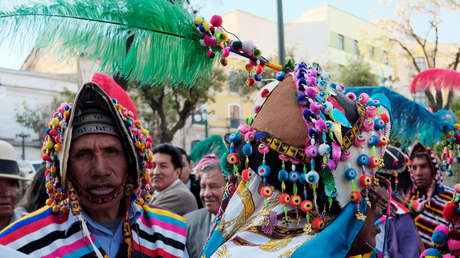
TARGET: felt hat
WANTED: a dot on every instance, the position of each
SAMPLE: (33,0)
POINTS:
(8,165)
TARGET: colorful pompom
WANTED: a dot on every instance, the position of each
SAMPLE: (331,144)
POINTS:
(233,159)
(351,173)
(295,200)
(216,20)
(266,191)
(312,177)
(365,181)
(250,82)
(306,206)
(284,198)
(263,170)
(293,176)
(246,174)
(318,224)
(355,196)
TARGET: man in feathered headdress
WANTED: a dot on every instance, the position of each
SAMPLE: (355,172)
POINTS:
(98,161)
(430,195)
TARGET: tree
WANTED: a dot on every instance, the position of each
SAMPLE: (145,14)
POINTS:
(38,117)
(165,108)
(357,72)
(413,44)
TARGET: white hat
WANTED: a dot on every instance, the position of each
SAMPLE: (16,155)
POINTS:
(8,164)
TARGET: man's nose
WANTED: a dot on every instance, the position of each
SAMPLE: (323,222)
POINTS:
(99,165)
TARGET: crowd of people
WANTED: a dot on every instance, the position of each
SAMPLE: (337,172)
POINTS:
(107,191)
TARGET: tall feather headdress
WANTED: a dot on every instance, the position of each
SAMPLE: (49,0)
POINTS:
(151,41)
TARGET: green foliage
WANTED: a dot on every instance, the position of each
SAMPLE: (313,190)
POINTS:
(164,108)
(357,72)
(37,117)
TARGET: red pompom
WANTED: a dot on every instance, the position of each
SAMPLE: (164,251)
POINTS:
(385,118)
(318,224)
(264,93)
(450,212)
(250,82)
(216,20)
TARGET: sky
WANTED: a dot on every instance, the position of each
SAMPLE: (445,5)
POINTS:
(13,56)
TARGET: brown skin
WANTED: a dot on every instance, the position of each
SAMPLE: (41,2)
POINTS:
(186,170)
(164,173)
(211,192)
(8,195)
(423,174)
(365,241)
(98,166)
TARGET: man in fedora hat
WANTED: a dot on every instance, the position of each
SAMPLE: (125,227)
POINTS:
(98,163)
(9,184)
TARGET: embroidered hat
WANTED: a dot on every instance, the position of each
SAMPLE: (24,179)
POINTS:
(8,165)
(93,112)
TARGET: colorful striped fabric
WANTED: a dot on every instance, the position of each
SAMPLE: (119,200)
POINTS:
(431,215)
(156,233)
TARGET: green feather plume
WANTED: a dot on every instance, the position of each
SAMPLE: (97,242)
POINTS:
(165,45)
(213,144)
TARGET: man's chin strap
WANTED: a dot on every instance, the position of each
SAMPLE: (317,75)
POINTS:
(99,199)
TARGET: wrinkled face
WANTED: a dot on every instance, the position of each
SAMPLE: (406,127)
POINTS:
(186,169)
(423,174)
(212,184)
(98,168)
(8,194)
(164,173)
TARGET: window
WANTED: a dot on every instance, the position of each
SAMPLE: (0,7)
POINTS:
(233,81)
(356,47)
(420,61)
(341,43)
(234,115)
(385,57)
(371,52)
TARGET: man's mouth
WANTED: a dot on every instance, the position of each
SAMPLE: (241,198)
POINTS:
(101,190)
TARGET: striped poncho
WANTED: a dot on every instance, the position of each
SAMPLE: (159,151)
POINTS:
(156,233)
(431,216)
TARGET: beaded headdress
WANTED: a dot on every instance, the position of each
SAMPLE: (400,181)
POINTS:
(55,150)
(329,145)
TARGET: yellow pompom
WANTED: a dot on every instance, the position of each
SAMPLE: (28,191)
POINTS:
(206,26)
(457,127)
(49,144)
(55,208)
(58,147)
(198,20)
(145,132)
(148,198)
(53,169)
(49,202)
(55,121)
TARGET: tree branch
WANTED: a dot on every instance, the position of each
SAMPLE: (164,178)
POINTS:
(435,51)
(450,97)
(438,104)
(430,98)
(404,47)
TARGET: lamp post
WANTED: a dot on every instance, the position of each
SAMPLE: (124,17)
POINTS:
(23,136)
(201,117)
(279,4)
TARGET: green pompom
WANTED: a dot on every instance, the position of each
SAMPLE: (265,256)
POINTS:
(225,166)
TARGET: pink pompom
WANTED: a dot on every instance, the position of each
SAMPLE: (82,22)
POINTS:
(371,111)
(257,108)
(311,92)
(351,96)
(225,52)
(363,98)
(311,81)
(320,125)
(315,108)
(243,128)
(210,54)
(259,69)
(442,228)
(216,20)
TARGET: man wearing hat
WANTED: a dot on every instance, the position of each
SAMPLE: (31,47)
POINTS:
(430,195)
(98,162)
(9,183)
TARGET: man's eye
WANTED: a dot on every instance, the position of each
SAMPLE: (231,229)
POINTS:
(82,154)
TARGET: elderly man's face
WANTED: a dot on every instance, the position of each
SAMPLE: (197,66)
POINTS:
(98,168)
(164,173)
(8,194)
(211,192)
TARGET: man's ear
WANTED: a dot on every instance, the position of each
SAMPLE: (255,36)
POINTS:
(178,171)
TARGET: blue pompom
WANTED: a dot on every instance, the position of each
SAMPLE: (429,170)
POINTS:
(283,175)
(293,176)
(363,159)
(247,149)
(263,170)
(280,75)
(234,137)
(351,173)
(433,252)
(439,237)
